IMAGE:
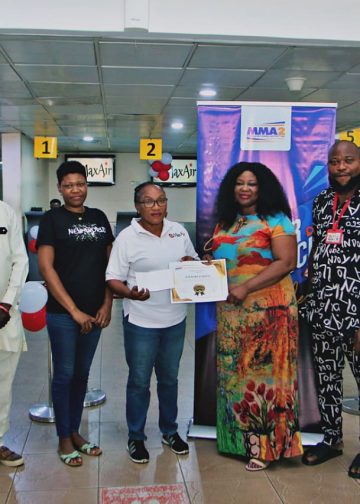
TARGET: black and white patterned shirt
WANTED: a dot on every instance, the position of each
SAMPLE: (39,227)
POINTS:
(334,300)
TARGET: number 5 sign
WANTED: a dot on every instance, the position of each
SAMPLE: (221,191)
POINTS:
(45,147)
(351,135)
(150,148)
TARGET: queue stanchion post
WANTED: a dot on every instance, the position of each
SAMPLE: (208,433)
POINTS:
(44,412)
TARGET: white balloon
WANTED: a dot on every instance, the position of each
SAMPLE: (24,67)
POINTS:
(166,158)
(34,230)
(33,297)
(153,173)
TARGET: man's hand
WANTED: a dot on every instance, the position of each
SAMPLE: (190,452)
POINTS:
(4,314)
(4,318)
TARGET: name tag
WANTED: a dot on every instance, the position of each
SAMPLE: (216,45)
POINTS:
(334,236)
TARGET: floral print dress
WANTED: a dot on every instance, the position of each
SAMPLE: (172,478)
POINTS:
(257,403)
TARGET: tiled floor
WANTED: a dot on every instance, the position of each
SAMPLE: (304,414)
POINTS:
(204,475)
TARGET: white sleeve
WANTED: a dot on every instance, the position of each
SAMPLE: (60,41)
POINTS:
(19,261)
(118,265)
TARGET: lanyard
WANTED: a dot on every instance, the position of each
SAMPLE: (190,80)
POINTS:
(343,210)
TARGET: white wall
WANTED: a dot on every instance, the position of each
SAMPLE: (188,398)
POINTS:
(130,172)
(309,20)
(34,177)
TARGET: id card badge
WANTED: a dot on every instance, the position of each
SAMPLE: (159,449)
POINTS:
(334,236)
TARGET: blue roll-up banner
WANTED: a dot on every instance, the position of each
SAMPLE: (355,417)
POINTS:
(293,140)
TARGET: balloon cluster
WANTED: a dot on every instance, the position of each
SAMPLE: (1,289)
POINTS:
(32,305)
(33,233)
(160,168)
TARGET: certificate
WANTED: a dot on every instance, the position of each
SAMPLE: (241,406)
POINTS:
(199,281)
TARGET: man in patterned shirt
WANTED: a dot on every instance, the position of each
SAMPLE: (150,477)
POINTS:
(333,304)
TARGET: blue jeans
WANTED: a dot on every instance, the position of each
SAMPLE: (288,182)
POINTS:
(146,349)
(72,355)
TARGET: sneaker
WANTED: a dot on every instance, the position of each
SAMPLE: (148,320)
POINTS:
(137,451)
(177,445)
(9,458)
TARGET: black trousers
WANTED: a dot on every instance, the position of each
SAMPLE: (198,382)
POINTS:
(330,349)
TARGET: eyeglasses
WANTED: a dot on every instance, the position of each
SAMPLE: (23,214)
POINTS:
(150,203)
(75,185)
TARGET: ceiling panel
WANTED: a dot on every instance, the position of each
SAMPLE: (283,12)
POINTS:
(50,52)
(65,90)
(7,74)
(276,78)
(234,78)
(135,105)
(143,54)
(273,94)
(223,93)
(319,58)
(58,73)
(232,56)
(133,90)
(346,81)
(164,76)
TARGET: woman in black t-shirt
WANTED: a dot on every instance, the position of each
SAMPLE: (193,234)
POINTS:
(74,244)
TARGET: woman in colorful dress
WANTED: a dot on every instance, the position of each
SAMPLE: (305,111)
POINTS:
(257,404)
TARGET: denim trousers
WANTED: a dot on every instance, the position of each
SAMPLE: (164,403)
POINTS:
(72,355)
(146,349)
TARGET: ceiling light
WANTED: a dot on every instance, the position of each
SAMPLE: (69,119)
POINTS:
(177,125)
(88,138)
(207,92)
(295,83)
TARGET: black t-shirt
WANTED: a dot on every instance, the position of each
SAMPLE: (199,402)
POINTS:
(80,242)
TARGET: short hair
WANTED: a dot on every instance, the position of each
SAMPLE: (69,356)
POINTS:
(70,167)
(138,189)
(271,196)
(55,201)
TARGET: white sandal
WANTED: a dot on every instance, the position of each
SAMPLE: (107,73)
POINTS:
(256,465)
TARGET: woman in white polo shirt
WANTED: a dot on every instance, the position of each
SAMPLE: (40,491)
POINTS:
(154,329)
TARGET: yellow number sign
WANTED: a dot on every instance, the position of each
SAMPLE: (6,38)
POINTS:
(150,148)
(351,135)
(45,147)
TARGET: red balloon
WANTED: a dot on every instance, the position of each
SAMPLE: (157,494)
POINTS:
(163,175)
(166,167)
(157,166)
(32,246)
(34,321)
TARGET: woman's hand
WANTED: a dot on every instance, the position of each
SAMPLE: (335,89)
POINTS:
(208,258)
(84,320)
(103,316)
(237,294)
(138,295)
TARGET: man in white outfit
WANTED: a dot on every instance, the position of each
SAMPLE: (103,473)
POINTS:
(13,272)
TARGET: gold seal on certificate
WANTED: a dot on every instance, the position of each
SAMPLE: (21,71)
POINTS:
(199,281)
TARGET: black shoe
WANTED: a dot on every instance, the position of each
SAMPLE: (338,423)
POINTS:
(177,445)
(137,451)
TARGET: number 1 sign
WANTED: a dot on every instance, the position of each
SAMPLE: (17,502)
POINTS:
(45,147)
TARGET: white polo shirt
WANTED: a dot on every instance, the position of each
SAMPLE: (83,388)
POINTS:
(138,250)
